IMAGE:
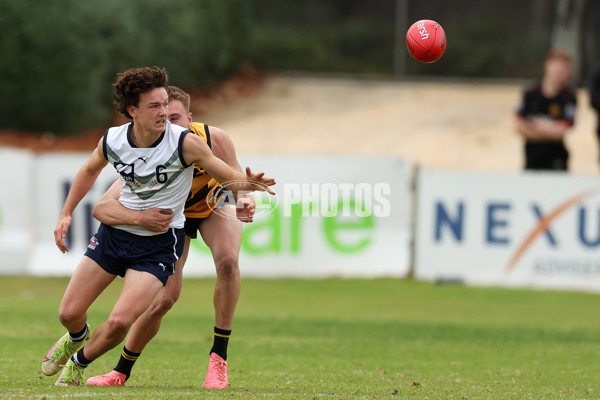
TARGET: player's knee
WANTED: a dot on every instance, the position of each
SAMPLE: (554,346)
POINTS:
(118,325)
(227,267)
(164,303)
(68,314)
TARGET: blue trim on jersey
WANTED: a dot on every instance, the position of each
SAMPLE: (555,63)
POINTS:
(162,135)
(104,151)
(180,148)
(155,144)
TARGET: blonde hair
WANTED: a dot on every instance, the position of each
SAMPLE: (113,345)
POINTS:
(176,93)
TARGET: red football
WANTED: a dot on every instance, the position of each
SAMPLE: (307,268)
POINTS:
(426,41)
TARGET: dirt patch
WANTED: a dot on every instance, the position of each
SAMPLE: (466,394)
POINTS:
(433,124)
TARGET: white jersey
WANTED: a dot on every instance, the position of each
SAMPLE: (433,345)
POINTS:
(151,177)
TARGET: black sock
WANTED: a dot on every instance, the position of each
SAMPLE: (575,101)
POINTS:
(128,358)
(79,359)
(79,336)
(220,342)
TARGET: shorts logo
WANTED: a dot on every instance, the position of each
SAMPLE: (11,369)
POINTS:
(170,268)
(93,243)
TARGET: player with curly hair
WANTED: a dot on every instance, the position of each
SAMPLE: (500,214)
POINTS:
(222,233)
(155,161)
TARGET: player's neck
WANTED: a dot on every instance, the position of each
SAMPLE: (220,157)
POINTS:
(550,88)
(143,137)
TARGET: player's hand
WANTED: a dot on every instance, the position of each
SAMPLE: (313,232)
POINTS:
(60,232)
(245,209)
(156,219)
(259,182)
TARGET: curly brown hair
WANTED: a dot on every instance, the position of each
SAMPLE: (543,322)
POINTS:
(135,81)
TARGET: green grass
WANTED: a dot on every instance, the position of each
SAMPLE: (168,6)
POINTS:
(330,339)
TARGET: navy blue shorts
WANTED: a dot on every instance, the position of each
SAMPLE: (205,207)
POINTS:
(116,251)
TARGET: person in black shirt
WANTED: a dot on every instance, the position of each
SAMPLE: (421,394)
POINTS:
(546,114)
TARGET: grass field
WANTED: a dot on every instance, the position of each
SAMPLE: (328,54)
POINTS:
(330,339)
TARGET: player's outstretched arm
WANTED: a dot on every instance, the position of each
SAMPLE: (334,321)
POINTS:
(195,150)
(82,183)
(223,148)
(110,211)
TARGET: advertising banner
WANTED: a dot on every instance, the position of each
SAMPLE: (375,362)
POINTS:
(332,216)
(527,229)
(51,183)
(16,218)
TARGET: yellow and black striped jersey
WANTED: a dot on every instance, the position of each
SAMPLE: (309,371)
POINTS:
(206,191)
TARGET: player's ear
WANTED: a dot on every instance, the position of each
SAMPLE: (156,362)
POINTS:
(131,110)
(189,118)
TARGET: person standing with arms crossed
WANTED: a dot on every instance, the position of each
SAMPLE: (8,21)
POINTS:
(546,113)
(153,158)
(221,231)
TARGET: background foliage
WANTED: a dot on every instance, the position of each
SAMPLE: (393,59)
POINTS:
(59,58)
(485,39)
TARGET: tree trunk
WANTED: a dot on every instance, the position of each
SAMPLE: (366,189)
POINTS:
(400,52)
(566,34)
